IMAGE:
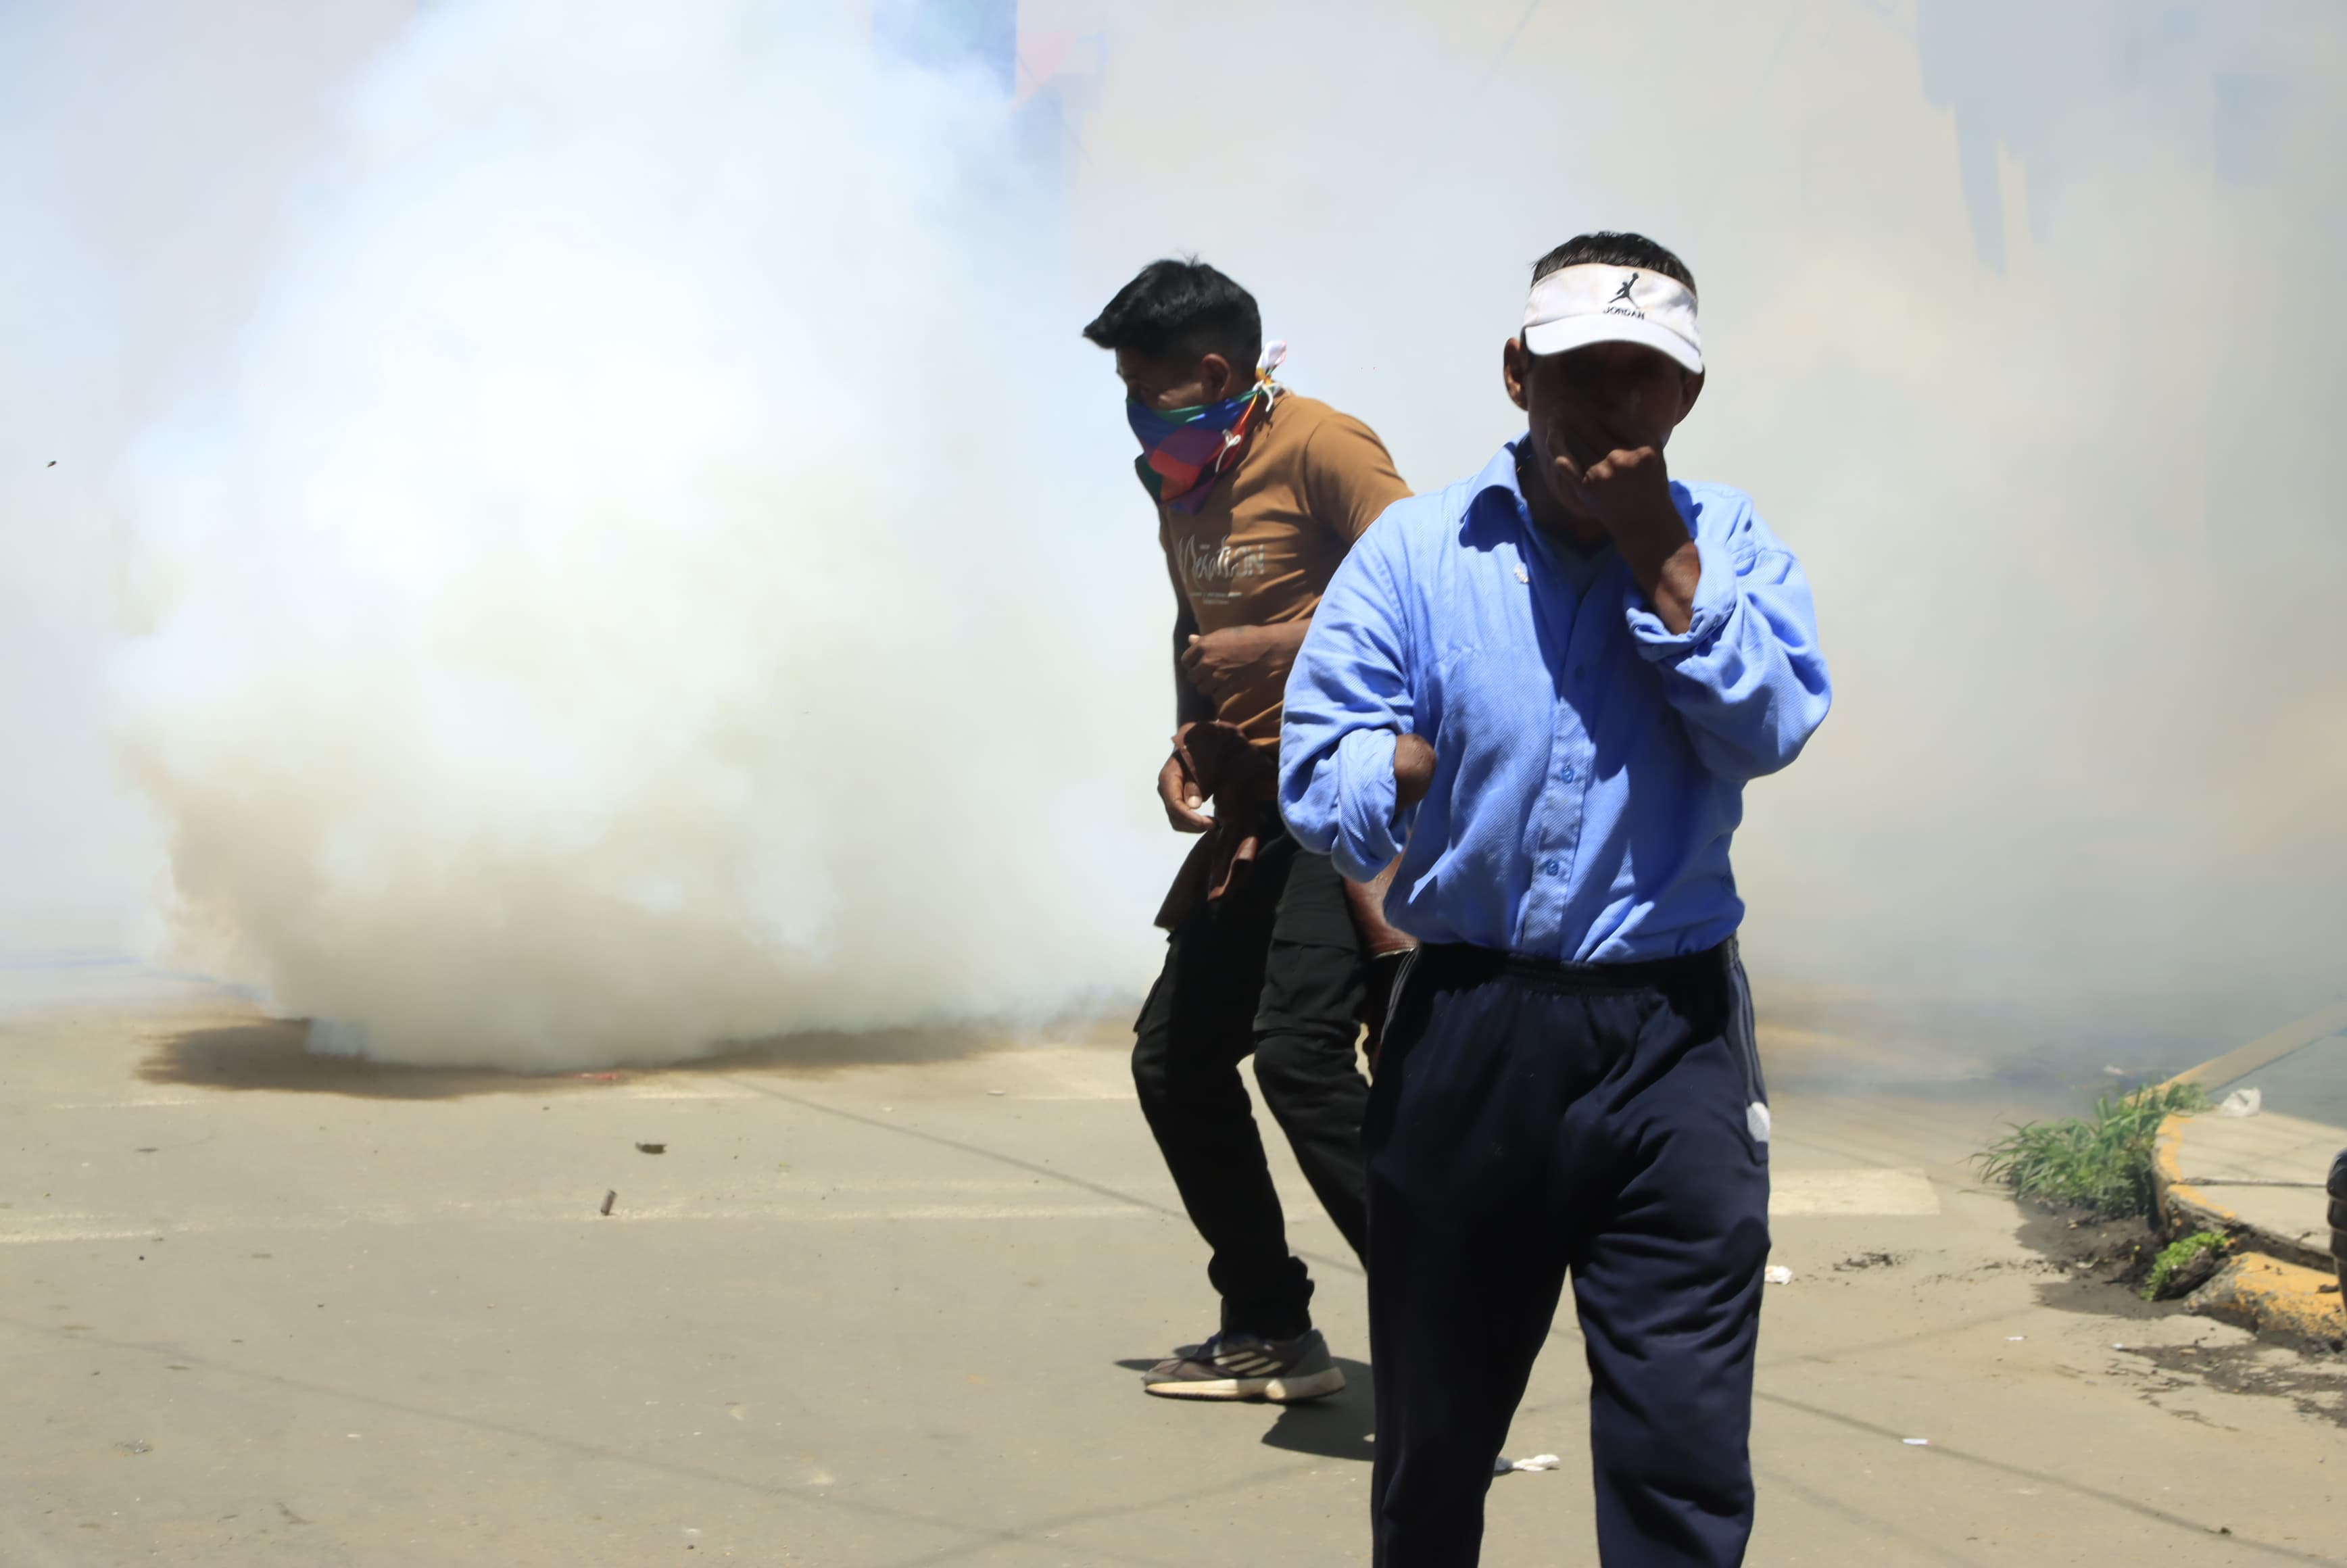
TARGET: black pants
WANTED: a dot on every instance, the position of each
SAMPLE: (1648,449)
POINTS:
(1274,968)
(1533,1118)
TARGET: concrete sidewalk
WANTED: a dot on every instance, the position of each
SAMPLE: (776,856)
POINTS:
(2260,1176)
(260,1309)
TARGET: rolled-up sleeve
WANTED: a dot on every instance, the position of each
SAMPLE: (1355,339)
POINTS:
(1746,676)
(1348,697)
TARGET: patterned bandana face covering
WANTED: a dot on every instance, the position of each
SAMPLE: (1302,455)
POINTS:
(1185,450)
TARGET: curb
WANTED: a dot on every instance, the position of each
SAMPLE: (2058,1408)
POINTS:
(2184,1208)
(2267,1296)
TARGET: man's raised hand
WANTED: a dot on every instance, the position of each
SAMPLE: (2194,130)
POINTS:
(1628,490)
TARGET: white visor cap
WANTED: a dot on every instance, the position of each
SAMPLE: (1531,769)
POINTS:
(1573,307)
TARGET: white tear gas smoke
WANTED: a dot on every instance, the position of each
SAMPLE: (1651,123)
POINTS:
(140,164)
(621,598)
(661,566)
(2022,348)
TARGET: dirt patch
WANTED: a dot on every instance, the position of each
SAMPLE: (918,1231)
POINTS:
(2098,1265)
(274,1054)
(2314,1381)
(1857,1261)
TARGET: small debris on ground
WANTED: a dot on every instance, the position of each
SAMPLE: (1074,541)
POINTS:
(2241,1102)
(609,1199)
(1777,1274)
(1503,1464)
(1917,1443)
(994,1092)
(651,1148)
(1867,1260)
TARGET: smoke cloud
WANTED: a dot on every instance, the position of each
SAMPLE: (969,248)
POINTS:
(612,543)
(619,595)
(2016,337)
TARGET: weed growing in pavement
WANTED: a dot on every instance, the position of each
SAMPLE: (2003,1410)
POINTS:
(2178,1257)
(2100,1163)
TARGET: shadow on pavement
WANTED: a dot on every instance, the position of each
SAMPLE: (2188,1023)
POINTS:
(1337,1427)
(274,1054)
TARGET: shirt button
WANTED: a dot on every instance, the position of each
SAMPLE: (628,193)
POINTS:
(1550,867)
(1568,775)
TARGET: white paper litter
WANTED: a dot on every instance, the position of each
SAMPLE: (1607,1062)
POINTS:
(1778,1274)
(1503,1464)
(2241,1102)
(1917,1443)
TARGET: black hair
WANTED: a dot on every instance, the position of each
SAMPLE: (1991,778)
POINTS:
(1181,310)
(1609,249)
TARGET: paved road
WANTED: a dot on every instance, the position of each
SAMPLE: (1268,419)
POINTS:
(256,1310)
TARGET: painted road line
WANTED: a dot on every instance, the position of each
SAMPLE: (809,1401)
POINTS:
(1868,1190)
(35,1230)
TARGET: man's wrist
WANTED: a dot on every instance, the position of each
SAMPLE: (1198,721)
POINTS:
(1648,539)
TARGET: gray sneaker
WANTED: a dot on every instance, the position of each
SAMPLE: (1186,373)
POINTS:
(1248,1367)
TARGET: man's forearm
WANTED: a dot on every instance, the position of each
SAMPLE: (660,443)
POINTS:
(1216,665)
(1663,563)
(1288,638)
(1751,686)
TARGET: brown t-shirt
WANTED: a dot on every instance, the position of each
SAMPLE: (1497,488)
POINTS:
(1261,550)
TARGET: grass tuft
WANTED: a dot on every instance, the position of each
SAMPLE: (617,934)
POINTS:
(2100,1163)
(2176,1256)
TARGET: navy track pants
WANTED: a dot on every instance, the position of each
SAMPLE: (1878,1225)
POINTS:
(1532,1119)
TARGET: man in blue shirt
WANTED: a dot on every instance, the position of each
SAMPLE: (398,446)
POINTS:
(1546,687)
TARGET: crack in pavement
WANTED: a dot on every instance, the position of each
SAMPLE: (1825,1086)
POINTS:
(1341,1265)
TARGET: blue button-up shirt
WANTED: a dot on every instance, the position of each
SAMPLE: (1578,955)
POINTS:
(1589,763)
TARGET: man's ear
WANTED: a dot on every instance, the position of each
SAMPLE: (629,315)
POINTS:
(1216,377)
(1515,372)
(1692,381)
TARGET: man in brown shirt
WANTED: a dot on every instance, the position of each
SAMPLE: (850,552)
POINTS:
(1259,494)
